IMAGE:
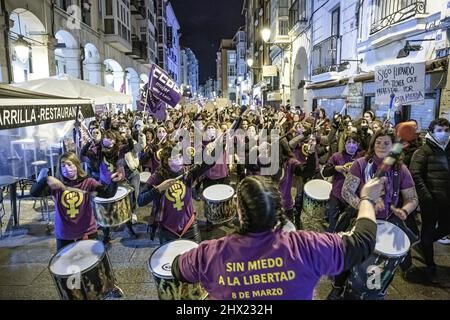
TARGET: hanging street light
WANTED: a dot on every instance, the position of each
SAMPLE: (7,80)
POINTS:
(265,34)
(22,49)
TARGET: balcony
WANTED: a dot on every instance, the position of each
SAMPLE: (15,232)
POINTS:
(117,35)
(386,13)
(137,7)
(297,13)
(326,56)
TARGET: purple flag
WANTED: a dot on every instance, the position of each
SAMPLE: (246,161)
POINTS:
(163,87)
(155,107)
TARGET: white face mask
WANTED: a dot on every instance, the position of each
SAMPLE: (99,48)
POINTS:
(442,137)
(211,133)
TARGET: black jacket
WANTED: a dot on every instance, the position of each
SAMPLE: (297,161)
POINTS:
(430,169)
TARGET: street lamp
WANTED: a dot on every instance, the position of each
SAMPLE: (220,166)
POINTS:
(265,34)
(250,62)
(22,49)
(404,52)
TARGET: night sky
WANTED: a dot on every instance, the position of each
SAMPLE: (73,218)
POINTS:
(203,24)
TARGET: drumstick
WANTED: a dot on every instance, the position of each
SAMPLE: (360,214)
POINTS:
(76,190)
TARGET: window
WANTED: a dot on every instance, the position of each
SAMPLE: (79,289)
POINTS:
(335,17)
(109,26)
(283,27)
(108,8)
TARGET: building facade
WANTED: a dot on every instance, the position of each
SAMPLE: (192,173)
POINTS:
(173,45)
(189,71)
(240,43)
(226,70)
(105,42)
(322,48)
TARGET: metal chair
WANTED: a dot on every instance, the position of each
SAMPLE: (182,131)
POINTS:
(43,200)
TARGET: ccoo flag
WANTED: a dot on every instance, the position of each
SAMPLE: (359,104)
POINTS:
(163,87)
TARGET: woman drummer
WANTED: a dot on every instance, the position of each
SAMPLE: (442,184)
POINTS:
(337,167)
(171,192)
(74,216)
(261,261)
(399,187)
(288,168)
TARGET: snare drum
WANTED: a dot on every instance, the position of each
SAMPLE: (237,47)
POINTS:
(160,265)
(82,271)
(220,205)
(371,279)
(112,212)
(316,195)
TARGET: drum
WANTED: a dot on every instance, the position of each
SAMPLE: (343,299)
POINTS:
(112,212)
(371,279)
(144,176)
(220,205)
(316,195)
(82,271)
(289,227)
(160,265)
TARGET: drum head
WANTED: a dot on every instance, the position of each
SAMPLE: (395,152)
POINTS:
(120,194)
(318,189)
(391,240)
(160,262)
(218,193)
(144,176)
(289,227)
(76,257)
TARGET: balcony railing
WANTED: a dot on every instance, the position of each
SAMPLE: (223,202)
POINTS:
(386,13)
(326,55)
(297,13)
(139,49)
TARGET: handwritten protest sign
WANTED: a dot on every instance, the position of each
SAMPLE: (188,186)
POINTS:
(406,81)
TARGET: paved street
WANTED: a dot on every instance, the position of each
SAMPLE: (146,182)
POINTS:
(25,253)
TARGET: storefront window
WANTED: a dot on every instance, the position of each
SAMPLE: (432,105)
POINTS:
(422,113)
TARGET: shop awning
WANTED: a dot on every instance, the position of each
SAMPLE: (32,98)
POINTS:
(69,87)
(23,108)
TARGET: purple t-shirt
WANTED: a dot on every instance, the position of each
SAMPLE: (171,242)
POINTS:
(390,196)
(339,159)
(74,217)
(267,265)
(220,169)
(176,204)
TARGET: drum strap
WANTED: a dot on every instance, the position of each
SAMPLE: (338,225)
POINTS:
(188,225)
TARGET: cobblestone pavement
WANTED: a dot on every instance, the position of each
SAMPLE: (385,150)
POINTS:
(26,251)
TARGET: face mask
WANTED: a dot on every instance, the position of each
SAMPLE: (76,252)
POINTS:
(351,148)
(69,172)
(108,143)
(176,164)
(97,137)
(442,137)
(211,133)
